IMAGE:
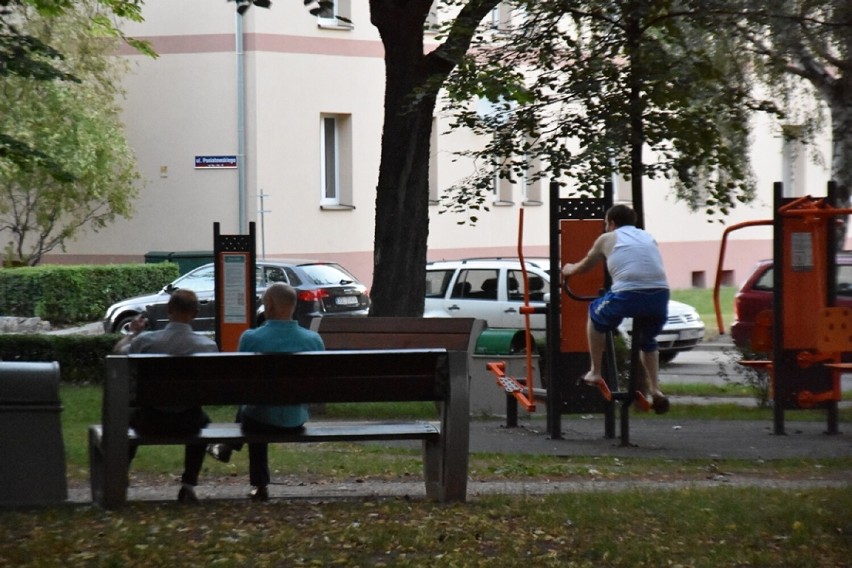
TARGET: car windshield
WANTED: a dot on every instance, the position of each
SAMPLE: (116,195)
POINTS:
(199,280)
(327,274)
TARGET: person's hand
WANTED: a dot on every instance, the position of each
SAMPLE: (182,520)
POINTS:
(569,269)
(138,324)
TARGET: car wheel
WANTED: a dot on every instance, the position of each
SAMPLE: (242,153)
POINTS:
(123,325)
(667,356)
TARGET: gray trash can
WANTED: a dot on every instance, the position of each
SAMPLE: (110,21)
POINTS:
(498,344)
(32,453)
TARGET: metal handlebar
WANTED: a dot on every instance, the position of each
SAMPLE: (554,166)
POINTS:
(572,295)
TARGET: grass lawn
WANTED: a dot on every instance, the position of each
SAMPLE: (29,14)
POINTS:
(700,528)
(702,300)
(711,526)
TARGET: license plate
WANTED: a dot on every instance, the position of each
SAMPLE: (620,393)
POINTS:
(346,300)
(690,334)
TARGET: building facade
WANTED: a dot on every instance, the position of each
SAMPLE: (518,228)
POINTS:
(275,118)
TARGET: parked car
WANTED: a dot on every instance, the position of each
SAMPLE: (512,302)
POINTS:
(324,289)
(755,296)
(492,289)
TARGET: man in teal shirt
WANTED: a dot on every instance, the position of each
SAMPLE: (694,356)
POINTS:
(279,334)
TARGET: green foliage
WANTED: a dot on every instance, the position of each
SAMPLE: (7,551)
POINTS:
(579,90)
(70,294)
(81,358)
(24,55)
(77,124)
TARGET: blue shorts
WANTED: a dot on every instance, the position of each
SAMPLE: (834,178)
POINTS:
(651,306)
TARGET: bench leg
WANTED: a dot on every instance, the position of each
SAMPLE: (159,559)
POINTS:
(96,466)
(112,460)
(445,461)
(108,471)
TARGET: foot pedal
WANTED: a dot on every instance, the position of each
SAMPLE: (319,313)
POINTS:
(642,402)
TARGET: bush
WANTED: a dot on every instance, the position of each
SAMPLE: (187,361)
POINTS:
(81,358)
(71,294)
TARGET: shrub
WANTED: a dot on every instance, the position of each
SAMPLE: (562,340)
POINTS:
(70,294)
(81,358)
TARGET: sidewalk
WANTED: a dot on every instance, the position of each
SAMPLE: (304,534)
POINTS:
(659,438)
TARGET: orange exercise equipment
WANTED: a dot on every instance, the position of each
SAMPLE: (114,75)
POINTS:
(508,383)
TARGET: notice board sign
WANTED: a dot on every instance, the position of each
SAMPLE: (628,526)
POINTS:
(236,297)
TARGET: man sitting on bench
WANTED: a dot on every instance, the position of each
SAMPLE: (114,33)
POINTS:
(279,334)
(177,338)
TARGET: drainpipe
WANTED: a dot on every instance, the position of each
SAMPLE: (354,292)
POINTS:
(241,125)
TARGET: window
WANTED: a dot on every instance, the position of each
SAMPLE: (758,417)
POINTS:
(198,280)
(436,282)
(532,182)
(844,280)
(476,285)
(337,16)
(501,17)
(502,189)
(793,161)
(331,164)
(336,162)
(766,281)
(515,286)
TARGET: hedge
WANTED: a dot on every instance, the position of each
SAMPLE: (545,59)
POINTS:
(81,358)
(64,294)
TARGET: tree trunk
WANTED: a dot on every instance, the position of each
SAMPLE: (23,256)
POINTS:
(840,105)
(412,82)
(402,194)
(637,109)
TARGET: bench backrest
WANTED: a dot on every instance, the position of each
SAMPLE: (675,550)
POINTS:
(278,378)
(452,334)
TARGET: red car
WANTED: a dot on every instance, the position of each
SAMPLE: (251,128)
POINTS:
(755,296)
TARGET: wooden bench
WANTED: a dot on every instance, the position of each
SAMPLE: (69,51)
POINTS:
(452,334)
(371,375)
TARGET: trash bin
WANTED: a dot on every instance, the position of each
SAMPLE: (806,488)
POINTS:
(498,344)
(186,260)
(32,468)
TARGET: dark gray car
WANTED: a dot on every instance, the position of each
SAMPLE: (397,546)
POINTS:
(324,289)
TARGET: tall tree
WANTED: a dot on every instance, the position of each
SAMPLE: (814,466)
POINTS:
(74,122)
(588,87)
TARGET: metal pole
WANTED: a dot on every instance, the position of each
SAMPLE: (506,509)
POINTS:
(241,126)
(262,213)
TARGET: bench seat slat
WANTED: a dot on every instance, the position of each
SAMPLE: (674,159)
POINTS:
(313,432)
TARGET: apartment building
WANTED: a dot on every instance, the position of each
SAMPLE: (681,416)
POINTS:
(275,118)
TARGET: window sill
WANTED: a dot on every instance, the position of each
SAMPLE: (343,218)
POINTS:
(502,203)
(340,26)
(532,202)
(340,207)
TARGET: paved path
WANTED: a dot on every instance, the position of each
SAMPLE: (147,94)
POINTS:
(662,438)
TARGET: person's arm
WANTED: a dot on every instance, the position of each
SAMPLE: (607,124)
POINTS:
(593,257)
(137,326)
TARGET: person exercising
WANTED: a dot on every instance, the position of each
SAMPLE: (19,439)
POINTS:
(639,290)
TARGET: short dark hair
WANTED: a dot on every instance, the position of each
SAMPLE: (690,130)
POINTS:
(183,301)
(621,215)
